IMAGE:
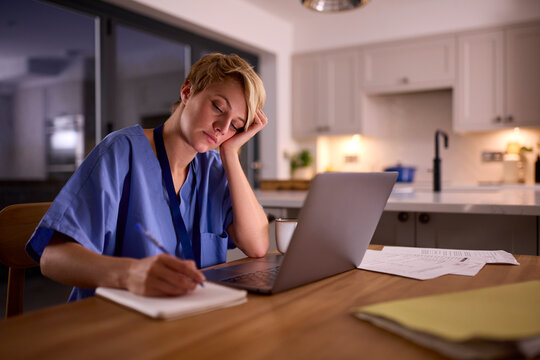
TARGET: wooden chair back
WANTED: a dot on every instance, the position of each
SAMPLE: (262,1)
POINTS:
(17,223)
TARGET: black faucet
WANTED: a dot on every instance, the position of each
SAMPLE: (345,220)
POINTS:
(437,161)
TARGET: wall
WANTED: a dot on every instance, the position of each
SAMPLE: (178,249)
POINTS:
(404,133)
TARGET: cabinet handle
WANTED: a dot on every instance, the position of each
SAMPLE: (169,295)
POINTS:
(403,216)
(509,118)
(405,80)
(322,128)
(497,120)
(423,218)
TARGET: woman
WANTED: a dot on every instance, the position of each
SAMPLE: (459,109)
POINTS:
(170,182)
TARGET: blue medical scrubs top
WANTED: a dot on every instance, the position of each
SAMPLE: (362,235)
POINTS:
(87,209)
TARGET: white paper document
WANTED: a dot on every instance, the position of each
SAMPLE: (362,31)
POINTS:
(421,267)
(487,256)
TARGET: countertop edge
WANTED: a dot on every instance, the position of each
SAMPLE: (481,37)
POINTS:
(295,200)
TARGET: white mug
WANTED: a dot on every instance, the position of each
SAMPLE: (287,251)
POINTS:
(284,231)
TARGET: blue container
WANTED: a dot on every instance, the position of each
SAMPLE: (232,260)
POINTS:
(405,173)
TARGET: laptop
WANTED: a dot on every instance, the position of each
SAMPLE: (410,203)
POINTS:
(335,226)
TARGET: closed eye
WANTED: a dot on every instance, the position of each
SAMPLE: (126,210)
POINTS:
(238,129)
(217,107)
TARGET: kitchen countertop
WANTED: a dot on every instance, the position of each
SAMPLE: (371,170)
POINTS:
(492,199)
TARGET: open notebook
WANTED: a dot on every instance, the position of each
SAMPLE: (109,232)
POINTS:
(202,299)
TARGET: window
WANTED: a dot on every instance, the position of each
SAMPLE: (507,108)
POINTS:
(149,73)
(72,71)
(46,97)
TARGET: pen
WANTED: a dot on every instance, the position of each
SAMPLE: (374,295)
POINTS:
(151,238)
(155,241)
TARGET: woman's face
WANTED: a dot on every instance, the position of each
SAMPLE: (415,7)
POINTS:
(213,115)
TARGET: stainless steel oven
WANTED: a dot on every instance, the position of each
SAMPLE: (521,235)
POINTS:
(65,143)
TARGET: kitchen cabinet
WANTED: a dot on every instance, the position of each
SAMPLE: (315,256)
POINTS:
(478,218)
(395,228)
(326,95)
(306,95)
(523,75)
(498,79)
(514,233)
(494,75)
(413,65)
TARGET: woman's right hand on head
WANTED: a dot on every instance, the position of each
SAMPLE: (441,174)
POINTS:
(163,275)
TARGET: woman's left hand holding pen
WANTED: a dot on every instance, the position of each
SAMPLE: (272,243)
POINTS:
(162,275)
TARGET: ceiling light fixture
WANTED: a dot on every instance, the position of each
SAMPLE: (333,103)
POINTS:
(332,5)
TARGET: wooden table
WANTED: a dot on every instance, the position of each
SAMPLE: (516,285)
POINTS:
(310,322)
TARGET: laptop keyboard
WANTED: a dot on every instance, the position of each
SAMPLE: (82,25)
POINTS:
(262,279)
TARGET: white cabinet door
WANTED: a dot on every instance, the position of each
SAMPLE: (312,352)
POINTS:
(523,76)
(479,91)
(498,79)
(341,93)
(409,65)
(306,92)
(326,97)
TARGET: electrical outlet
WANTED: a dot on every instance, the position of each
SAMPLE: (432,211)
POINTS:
(492,156)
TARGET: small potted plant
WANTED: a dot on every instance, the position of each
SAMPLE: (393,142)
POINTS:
(301,165)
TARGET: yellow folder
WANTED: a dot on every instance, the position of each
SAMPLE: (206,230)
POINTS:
(506,312)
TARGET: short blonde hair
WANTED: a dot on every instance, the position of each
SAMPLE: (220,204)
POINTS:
(214,68)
